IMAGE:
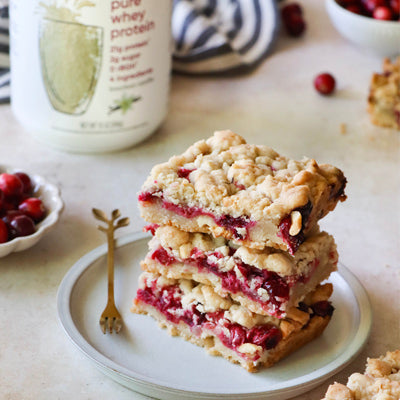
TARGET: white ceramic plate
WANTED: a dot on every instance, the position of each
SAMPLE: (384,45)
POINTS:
(146,359)
(50,195)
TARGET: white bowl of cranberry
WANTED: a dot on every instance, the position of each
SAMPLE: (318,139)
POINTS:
(371,24)
(29,207)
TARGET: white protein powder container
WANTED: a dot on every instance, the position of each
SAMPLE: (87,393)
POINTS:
(90,75)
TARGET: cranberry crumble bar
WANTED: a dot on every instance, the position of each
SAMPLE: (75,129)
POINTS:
(268,281)
(245,193)
(381,381)
(196,313)
(384,96)
(237,261)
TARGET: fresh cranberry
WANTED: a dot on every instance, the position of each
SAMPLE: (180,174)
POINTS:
(322,308)
(22,225)
(11,185)
(395,6)
(371,5)
(383,13)
(2,199)
(295,25)
(34,208)
(26,182)
(325,83)
(346,3)
(290,9)
(292,18)
(355,8)
(3,231)
(10,215)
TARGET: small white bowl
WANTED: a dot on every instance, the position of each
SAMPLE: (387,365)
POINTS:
(379,37)
(50,195)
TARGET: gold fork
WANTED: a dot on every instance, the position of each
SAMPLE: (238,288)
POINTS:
(110,318)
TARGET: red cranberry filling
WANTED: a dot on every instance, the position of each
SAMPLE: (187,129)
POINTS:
(323,308)
(187,212)
(276,286)
(338,193)
(162,256)
(184,172)
(169,304)
(151,228)
(226,221)
(148,196)
(293,242)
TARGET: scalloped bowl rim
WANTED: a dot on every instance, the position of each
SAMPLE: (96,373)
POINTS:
(51,197)
(368,20)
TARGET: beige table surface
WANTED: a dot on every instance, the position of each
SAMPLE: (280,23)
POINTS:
(275,105)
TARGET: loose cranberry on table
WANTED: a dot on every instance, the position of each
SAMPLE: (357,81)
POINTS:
(293,20)
(325,83)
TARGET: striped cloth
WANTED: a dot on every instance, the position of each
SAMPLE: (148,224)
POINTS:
(214,36)
(4,53)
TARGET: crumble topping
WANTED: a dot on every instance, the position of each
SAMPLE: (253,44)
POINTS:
(181,244)
(384,96)
(228,176)
(381,381)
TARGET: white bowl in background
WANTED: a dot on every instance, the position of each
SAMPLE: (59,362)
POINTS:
(377,36)
(50,195)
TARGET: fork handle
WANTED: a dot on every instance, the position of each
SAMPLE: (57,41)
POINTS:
(110,263)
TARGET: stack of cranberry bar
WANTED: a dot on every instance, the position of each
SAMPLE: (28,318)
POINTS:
(237,260)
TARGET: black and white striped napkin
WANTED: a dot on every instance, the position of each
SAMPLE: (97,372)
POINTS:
(213,36)
(4,53)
